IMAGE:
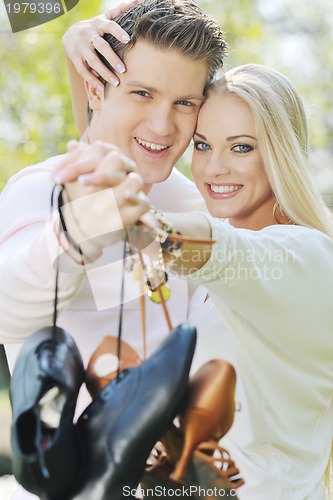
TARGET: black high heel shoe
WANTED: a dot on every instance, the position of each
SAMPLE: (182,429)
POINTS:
(126,419)
(44,389)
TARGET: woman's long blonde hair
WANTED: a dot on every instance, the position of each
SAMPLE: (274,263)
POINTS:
(282,131)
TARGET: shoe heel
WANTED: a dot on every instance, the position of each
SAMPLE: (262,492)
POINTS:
(210,408)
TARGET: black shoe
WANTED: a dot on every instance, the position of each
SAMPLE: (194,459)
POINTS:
(43,392)
(124,421)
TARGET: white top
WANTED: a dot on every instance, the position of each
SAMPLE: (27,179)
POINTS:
(90,306)
(272,287)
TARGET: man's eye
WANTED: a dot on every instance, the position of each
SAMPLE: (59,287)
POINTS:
(185,103)
(143,93)
(242,148)
(201,146)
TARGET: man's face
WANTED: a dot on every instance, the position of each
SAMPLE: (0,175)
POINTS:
(152,114)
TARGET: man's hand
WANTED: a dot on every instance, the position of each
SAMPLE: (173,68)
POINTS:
(95,212)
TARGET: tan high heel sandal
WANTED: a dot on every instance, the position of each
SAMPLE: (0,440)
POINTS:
(104,364)
(210,408)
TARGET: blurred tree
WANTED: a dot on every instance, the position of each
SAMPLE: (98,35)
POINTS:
(296,38)
(293,36)
(35,108)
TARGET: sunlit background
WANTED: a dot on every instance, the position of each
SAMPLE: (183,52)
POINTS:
(293,36)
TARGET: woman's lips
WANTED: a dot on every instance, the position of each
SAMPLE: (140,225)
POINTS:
(218,191)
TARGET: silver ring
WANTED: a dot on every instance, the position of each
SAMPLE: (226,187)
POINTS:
(93,38)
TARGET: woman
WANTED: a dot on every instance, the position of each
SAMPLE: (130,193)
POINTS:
(268,275)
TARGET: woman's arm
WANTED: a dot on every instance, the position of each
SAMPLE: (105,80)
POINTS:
(80,43)
(185,239)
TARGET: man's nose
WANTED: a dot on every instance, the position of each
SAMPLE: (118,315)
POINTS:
(161,120)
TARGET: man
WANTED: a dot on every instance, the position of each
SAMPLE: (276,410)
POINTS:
(173,53)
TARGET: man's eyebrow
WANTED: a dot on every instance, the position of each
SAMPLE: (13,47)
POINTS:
(201,136)
(135,83)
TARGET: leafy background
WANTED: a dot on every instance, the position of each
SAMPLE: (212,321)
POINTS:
(36,121)
(293,36)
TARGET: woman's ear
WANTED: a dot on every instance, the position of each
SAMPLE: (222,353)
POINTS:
(94,95)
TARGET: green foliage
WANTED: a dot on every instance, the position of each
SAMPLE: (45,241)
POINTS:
(36,117)
(35,108)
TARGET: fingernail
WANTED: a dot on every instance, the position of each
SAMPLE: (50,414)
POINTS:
(85,178)
(125,38)
(114,81)
(58,178)
(72,143)
(100,88)
(121,68)
(132,164)
(130,196)
(135,175)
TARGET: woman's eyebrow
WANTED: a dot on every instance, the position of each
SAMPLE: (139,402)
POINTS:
(234,137)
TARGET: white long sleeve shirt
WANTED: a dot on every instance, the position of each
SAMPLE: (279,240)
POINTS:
(89,300)
(273,290)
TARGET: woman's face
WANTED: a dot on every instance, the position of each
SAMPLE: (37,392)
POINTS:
(227,166)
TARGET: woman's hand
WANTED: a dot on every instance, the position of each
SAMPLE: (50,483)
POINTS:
(81,40)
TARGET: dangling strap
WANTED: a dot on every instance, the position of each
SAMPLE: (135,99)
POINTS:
(165,309)
(56,284)
(142,301)
(39,433)
(143,312)
(121,309)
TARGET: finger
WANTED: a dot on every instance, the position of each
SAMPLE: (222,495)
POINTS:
(133,184)
(102,179)
(119,9)
(104,48)
(131,213)
(92,162)
(72,145)
(59,169)
(94,62)
(112,170)
(86,74)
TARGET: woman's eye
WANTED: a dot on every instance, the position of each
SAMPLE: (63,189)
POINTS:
(201,146)
(242,148)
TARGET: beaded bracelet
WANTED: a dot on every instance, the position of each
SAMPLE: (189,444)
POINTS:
(165,233)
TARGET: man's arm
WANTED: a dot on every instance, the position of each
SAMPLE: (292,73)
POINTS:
(27,242)
(29,237)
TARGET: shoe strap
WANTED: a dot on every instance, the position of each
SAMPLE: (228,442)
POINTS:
(143,304)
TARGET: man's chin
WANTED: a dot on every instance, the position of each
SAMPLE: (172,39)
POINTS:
(150,178)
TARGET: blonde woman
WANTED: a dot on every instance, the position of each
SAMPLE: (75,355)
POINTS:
(269,275)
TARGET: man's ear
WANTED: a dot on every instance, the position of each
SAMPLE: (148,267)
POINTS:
(95,96)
